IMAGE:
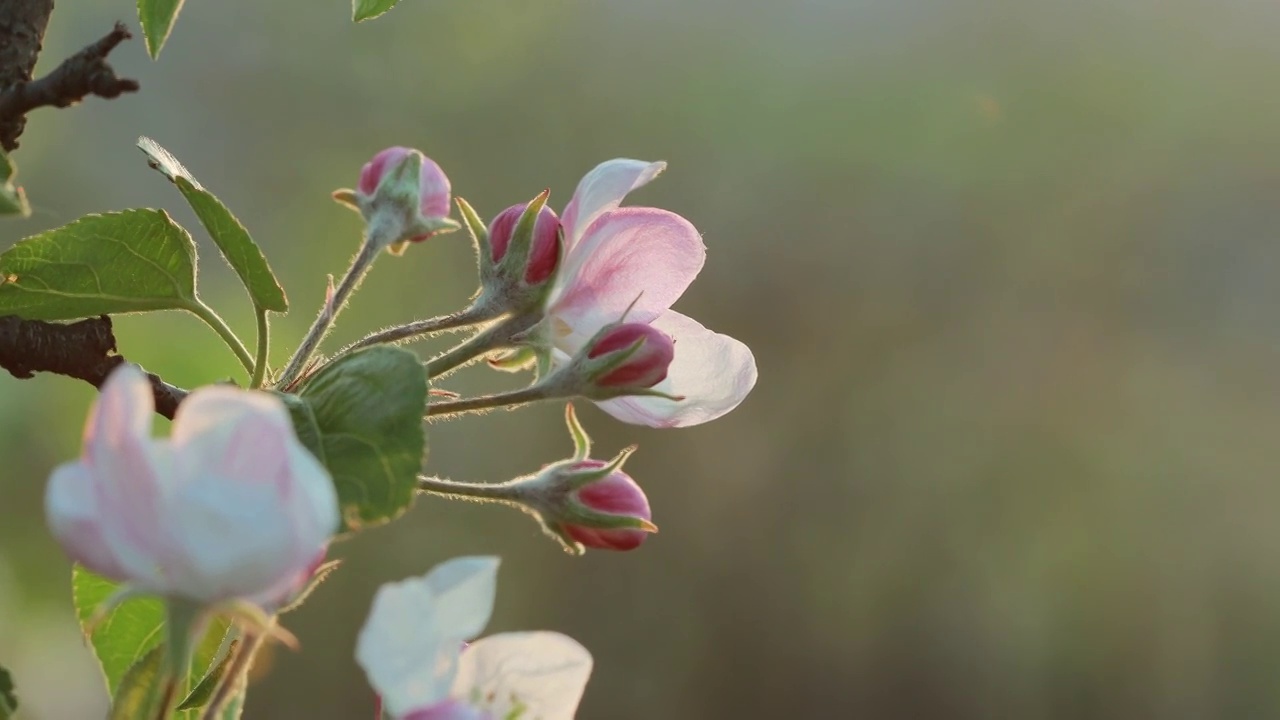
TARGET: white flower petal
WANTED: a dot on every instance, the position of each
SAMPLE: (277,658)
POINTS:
(410,643)
(713,373)
(462,594)
(541,673)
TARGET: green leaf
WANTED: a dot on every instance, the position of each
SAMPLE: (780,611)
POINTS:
(368,407)
(137,692)
(13,201)
(8,699)
(241,252)
(203,692)
(128,632)
(157,18)
(304,424)
(130,261)
(362,10)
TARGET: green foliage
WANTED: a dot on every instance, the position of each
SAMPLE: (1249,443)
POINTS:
(362,10)
(13,201)
(123,636)
(157,18)
(203,691)
(137,693)
(367,410)
(239,249)
(130,261)
(8,699)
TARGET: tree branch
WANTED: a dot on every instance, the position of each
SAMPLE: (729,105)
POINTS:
(85,73)
(22,25)
(83,349)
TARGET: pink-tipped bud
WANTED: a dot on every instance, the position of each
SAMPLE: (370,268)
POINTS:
(403,196)
(617,496)
(643,354)
(544,251)
(433,185)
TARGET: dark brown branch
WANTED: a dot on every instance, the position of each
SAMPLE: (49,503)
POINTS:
(85,73)
(84,349)
(22,25)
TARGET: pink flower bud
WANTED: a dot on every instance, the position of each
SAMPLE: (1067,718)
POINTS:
(433,184)
(615,494)
(544,253)
(647,364)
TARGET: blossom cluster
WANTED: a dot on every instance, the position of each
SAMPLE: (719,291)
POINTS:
(233,513)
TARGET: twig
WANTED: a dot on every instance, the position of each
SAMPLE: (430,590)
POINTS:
(84,349)
(85,73)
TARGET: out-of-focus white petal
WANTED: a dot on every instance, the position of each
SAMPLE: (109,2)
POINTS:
(602,190)
(71,507)
(119,456)
(462,594)
(644,256)
(541,673)
(410,643)
(713,373)
(213,412)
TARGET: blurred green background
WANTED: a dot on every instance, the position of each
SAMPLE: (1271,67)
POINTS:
(1008,268)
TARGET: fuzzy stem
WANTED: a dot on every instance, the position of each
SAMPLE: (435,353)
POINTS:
(264,345)
(506,493)
(418,328)
(509,400)
(215,321)
(490,338)
(360,265)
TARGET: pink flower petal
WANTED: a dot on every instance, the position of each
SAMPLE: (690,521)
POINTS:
(602,190)
(71,506)
(118,454)
(641,255)
(713,373)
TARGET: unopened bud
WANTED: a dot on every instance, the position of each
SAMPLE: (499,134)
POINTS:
(403,196)
(614,495)
(544,242)
(586,502)
(629,356)
(519,254)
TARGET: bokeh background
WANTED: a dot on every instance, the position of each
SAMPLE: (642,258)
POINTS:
(1009,269)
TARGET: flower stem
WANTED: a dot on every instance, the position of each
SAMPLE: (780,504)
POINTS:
(418,328)
(508,400)
(360,265)
(213,320)
(506,493)
(494,337)
(264,344)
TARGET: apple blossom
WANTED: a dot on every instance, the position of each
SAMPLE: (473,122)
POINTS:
(412,649)
(633,263)
(230,507)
